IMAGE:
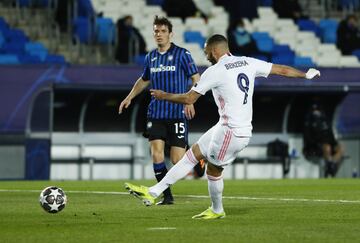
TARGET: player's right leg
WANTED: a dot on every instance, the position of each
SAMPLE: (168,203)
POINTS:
(178,171)
(141,192)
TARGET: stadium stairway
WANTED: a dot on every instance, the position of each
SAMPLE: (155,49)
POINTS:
(39,25)
(34,24)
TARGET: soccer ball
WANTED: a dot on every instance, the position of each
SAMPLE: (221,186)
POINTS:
(52,199)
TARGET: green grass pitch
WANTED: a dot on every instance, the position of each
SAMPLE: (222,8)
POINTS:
(257,211)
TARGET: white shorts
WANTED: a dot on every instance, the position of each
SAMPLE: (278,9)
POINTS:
(220,146)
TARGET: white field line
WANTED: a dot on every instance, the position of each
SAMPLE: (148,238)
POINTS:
(162,228)
(203,196)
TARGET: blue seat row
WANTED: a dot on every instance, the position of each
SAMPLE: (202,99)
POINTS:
(194,37)
(29,3)
(325,30)
(16,48)
(101,31)
(280,54)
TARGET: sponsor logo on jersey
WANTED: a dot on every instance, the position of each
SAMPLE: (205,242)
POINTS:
(163,68)
(236,64)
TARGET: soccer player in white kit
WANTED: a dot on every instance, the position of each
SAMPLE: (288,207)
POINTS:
(231,80)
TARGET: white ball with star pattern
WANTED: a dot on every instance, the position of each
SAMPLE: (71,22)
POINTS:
(53,199)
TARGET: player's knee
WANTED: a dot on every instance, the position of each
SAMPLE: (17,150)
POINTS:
(213,170)
(197,152)
(175,159)
(157,156)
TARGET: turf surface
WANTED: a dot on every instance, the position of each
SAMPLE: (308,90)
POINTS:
(257,211)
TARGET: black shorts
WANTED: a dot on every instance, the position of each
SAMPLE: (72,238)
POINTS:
(173,132)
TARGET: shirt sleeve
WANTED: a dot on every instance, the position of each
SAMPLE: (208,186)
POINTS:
(207,81)
(146,72)
(262,68)
(188,64)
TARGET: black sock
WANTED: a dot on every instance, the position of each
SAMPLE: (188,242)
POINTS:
(160,171)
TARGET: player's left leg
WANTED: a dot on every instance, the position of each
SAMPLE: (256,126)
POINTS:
(223,148)
(177,172)
(216,188)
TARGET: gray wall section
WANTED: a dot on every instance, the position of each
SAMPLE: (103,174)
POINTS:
(352,162)
(12,162)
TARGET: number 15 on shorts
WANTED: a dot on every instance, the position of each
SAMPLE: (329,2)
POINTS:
(180,129)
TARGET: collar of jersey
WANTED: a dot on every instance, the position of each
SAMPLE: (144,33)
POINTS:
(223,57)
(169,50)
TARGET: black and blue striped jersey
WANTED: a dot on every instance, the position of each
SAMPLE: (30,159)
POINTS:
(170,72)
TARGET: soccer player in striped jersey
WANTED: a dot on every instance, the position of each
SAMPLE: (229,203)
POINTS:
(168,68)
(231,80)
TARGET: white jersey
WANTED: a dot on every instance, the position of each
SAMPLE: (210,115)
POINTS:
(231,80)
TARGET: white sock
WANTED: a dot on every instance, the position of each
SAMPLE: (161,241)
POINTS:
(177,172)
(216,188)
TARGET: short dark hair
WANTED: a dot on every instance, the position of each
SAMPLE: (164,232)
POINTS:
(163,21)
(216,39)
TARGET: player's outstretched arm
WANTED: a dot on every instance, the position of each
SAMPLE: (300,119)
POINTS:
(186,98)
(291,72)
(138,87)
(189,109)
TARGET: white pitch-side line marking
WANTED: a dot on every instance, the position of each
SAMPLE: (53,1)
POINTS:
(162,228)
(203,196)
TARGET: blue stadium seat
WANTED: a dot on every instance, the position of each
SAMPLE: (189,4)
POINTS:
(266,3)
(303,62)
(194,37)
(282,54)
(15,47)
(265,45)
(29,3)
(357,53)
(263,41)
(85,8)
(328,28)
(29,59)
(9,59)
(308,25)
(15,35)
(155,2)
(55,59)
(24,3)
(260,35)
(82,28)
(2,40)
(279,49)
(3,24)
(285,58)
(105,30)
(36,49)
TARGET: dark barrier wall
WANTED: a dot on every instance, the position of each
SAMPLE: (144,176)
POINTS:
(18,84)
